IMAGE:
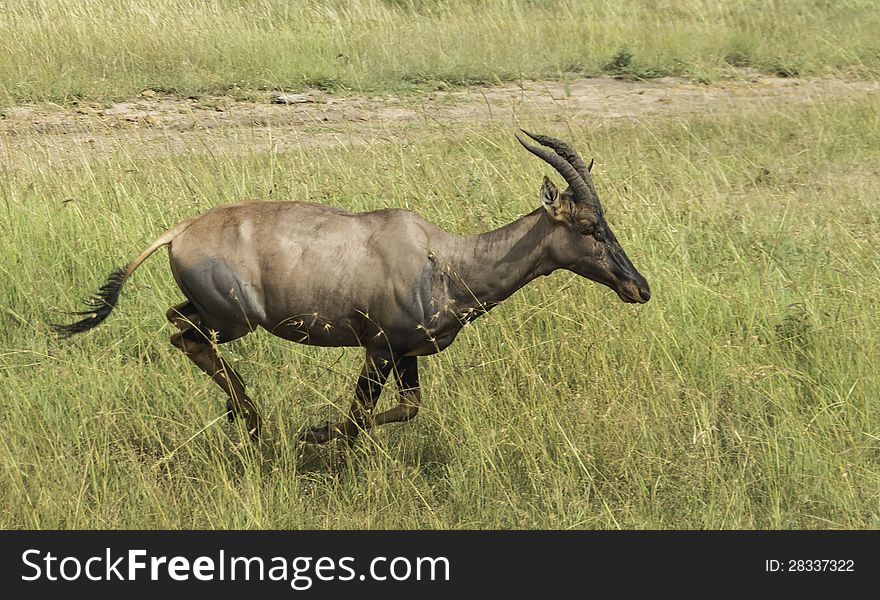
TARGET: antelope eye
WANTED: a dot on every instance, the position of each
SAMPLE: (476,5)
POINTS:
(598,235)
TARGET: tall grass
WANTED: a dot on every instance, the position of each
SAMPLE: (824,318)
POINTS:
(744,395)
(63,50)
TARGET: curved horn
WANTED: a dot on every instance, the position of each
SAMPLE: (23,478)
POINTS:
(565,151)
(568,172)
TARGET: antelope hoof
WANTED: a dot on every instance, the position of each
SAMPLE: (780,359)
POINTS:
(230,411)
(320,434)
(254,425)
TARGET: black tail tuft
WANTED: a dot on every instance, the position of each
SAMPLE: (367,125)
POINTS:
(98,306)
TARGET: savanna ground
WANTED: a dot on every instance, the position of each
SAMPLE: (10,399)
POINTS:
(744,395)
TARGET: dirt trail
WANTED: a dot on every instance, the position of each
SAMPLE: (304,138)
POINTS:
(154,124)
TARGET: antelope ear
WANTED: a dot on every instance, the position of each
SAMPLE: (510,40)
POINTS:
(550,199)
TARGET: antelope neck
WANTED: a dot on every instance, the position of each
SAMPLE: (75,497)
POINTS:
(489,267)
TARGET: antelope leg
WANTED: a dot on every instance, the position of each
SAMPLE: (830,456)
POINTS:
(200,350)
(406,374)
(373,376)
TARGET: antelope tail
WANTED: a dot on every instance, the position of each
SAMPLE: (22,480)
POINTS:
(99,306)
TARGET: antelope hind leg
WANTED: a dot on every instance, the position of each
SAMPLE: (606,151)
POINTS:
(185,316)
(199,350)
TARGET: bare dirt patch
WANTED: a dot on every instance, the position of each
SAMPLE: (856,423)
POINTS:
(156,125)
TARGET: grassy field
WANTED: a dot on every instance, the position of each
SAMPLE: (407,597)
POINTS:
(64,50)
(744,395)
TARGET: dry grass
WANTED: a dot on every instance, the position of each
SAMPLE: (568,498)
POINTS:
(743,395)
(64,50)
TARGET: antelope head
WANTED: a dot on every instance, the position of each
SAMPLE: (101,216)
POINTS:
(581,240)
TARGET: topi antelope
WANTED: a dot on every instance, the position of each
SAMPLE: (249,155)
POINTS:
(387,280)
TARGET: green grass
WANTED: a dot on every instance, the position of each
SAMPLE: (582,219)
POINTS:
(744,395)
(63,50)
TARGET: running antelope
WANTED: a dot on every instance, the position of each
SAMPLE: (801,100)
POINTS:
(388,281)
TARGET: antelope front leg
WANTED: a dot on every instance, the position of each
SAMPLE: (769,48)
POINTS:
(373,376)
(406,373)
